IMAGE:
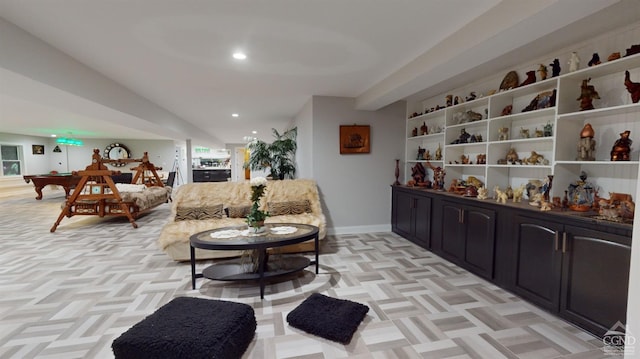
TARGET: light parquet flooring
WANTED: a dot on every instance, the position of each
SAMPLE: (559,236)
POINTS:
(68,294)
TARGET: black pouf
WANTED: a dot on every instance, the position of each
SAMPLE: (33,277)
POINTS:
(190,328)
(329,318)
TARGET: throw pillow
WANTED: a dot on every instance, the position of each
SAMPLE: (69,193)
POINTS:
(290,207)
(237,211)
(198,213)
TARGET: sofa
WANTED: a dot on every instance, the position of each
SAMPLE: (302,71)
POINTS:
(202,206)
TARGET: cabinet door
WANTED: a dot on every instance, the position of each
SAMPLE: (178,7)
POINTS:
(595,279)
(451,236)
(402,211)
(422,222)
(538,261)
(479,244)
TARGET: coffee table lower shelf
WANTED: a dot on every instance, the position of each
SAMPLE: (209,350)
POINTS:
(237,269)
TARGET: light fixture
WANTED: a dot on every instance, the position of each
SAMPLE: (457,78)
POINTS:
(254,132)
(234,115)
(54,135)
(69,141)
(239,56)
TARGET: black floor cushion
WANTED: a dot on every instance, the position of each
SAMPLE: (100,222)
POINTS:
(190,328)
(329,318)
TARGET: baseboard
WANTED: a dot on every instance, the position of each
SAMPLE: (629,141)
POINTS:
(359,229)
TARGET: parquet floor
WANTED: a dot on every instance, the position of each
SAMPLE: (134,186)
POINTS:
(68,294)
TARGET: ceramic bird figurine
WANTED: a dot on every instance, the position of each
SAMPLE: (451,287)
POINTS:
(632,87)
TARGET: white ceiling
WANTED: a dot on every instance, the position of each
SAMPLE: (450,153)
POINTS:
(177,54)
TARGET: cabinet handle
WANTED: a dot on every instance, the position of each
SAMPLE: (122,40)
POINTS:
(564,242)
(556,242)
(461,216)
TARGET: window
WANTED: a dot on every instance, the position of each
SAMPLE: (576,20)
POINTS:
(11,160)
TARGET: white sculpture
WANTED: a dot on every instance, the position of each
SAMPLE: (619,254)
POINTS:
(574,62)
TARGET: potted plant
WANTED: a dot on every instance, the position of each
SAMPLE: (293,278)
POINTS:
(276,157)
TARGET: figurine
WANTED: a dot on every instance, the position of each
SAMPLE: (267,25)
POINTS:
(472,96)
(473,181)
(418,173)
(542,69)
(622,147)
(574,62)
(545,205)
(538,133)
(449,100)
(506,111)
(587,94)
(464,137)
(464,159)
(632,87)
(482,193)
(512,156)
(456,100)
(481,159)
(531,78)
(546,187)
(427,156)
(503,133)
(532,188)
(613,56)
(423,129)
(634,49)
(535,159)
(555,68)
(548,130)
(595,60)
(439,153)
(420,155)
(510,81)
(557,202)
(524,132)
(414,132)
(587,145)
(581,194)
(438,176)
(501,196)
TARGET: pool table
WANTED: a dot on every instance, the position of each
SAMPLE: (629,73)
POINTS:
(66,180)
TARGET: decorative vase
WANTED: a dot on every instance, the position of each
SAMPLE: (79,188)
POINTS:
(397,173)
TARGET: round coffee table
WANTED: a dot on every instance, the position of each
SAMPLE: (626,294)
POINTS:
(240,238)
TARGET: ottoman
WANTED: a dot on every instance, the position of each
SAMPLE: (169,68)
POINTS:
(190,328)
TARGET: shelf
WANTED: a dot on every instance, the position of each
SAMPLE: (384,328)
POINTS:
(600,112)
(549,111)
(426,137)
(599,163)
(468,124)
(427,116)
(529,167)
(465,165)
(523,140)
(533,89)
(605,68)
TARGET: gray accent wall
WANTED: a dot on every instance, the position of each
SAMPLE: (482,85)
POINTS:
(355,189)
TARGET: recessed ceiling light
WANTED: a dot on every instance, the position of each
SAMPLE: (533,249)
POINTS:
(254,132)
(234,115)
(239,56)
(54,135)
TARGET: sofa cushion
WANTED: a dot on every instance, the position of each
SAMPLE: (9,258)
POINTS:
(198,213)
(238,211)
(289,207)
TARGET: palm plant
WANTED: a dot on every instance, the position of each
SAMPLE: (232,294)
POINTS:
(276,157)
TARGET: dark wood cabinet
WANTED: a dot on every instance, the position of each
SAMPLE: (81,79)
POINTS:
(569,264)
(580,273)
(411,217)
(467,236)
(536,275)
(595,278)
(217,175)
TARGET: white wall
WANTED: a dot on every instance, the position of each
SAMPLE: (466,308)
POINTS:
(355,189)
(304,155)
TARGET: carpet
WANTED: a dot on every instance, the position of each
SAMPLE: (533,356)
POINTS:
(190,328)
(329,318)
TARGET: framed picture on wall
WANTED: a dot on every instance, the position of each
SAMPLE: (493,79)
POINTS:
(355,139)
(37,149)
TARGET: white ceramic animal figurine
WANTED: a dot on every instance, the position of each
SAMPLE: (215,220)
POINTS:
(574,62)
(482,193)
(501,196)
(517,193)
